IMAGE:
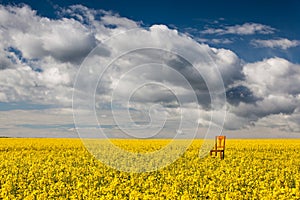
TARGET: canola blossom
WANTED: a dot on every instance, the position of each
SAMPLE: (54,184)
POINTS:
(64,169)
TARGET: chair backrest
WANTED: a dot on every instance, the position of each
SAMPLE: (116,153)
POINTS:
(220,142)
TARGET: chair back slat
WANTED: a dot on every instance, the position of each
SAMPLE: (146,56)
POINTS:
(220,142)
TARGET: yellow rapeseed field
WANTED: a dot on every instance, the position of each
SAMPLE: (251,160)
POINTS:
(64,169)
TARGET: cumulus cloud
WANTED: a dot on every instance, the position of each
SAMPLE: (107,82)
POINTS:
(36,37)
(39,59)
(273,85)
(244,29)
(177,66)
(272,76)
(281,43)
(39,56)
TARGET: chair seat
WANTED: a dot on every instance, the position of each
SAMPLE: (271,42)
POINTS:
(219,150)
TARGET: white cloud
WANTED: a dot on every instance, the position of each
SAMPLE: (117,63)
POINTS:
(215,41)
(37,37)
(101,23)
(270,105)
(244,29)
(274,82)
(229,65)
(119,21)
(39,57)
(272,76)
(281,43)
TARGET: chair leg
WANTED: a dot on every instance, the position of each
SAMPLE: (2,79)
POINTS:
(222,155)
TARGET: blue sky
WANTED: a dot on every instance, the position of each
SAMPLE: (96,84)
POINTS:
(255,44)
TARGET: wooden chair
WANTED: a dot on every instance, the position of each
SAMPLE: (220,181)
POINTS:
(219,146)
